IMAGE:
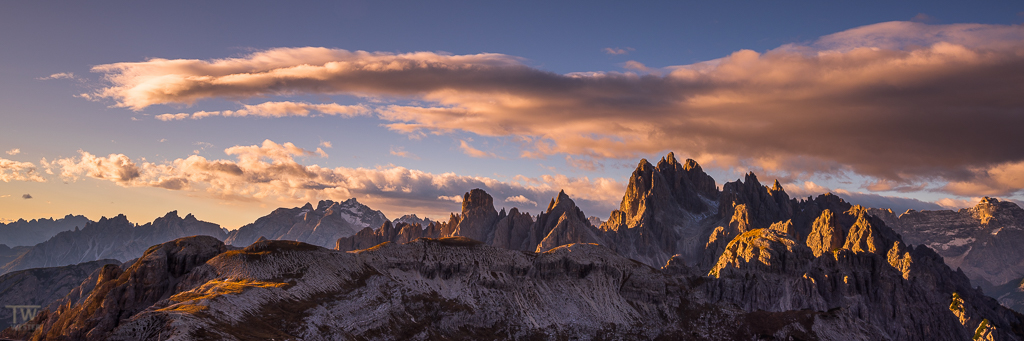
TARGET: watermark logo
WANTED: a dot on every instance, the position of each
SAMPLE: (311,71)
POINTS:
(26,313)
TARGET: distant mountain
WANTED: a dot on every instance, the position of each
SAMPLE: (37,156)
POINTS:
(985,241)
(8,254)
(110,238)
(412,219)
(35,231)
(1010,294)
(42,286)
(320,226)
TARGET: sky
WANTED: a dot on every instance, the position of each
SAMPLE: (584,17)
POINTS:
(230,109)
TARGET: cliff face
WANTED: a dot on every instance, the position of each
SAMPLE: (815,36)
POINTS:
(320,226)
(768,286)
(116,295)
(42,286)
(983,241)
(111,238)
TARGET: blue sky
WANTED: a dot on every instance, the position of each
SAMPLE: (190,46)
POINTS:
(526,161)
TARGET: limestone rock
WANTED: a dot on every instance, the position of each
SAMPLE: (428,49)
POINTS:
(826,235)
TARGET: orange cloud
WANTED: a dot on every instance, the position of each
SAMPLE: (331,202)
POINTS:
(19,171)
(469,150)
(896,101)
(270,172)
(276,109)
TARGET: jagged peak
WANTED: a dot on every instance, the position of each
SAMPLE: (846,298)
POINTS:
(750,178)
(171,215)
(563,198)
(777,187)
(307,206)
(671,157)
(691,164)
(324,204)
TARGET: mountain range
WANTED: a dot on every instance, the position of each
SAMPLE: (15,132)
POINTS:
(679,259)
(31,232)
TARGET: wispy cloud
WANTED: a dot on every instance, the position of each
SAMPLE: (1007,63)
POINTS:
(618,50)
(62,75)
(274,110)
(14,151)
(400,151)
(944,94)
(469,150)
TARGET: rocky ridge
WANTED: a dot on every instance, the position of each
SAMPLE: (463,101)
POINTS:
(31,232)
(110,238)
(195,289)
(43,286)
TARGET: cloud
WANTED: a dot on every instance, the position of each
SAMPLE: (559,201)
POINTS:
(521,199)
(326,144)
(62,75)
(956,204)
(452,198)
(270,172)
(638,66)
(903,102)
(586,164)
(618,51)
(923,18)
(172,117)
(275,110)
(897,204)
(19,171)
(469,150)
(26,196)
(882,185)
(14,151)
(400,151)
(997,180)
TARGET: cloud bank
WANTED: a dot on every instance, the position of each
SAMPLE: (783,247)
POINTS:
(902,102)
(271,172)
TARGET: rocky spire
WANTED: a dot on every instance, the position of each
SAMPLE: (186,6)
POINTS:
(478,216)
